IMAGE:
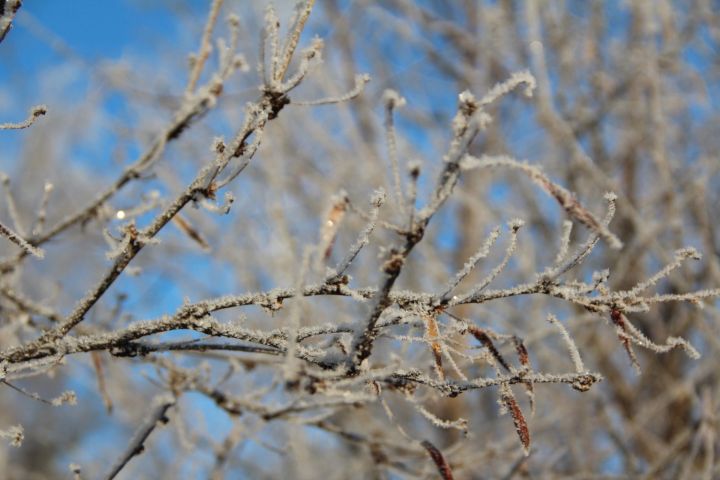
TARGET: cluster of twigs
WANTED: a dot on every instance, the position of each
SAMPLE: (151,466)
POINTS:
(343,372)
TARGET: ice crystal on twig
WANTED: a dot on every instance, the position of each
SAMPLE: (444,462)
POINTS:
(14,434)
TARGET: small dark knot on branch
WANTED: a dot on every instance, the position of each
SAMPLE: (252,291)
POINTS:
(277,101)
(583,382)
(394,263)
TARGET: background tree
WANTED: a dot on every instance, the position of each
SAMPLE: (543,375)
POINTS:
(348,236)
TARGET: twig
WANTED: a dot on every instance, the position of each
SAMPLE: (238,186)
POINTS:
(470,265)
(392,101)
(8,9)
(205,47)
(35,112)
(565,198)
(292,41)
(363,239)
(144,348)
(137,443)
(20,242)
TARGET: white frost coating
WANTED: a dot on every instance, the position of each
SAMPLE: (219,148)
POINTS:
(503,88)
(569,343)
(14,434)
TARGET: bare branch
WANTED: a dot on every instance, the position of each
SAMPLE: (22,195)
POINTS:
(136,446)
(35,112)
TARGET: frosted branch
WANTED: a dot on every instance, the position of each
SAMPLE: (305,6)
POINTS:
(35,112)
